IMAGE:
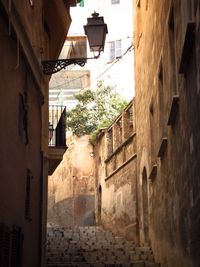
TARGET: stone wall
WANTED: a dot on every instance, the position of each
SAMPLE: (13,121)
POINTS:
(168,132)
(26,37)
(115,155)
(21,161)
(71,187)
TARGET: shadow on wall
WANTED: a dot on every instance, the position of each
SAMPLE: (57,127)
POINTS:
(71,211)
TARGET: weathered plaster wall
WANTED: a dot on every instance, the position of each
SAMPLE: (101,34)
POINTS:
(17,155)
(168,133)
(115,153)
(119,202)
(71,187)
(24,42)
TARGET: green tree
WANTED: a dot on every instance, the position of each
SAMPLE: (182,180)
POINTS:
(95,109)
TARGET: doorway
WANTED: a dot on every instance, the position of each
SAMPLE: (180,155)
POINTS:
(99,204)
(145,206)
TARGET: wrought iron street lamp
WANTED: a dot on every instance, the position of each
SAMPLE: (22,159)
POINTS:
(96,31)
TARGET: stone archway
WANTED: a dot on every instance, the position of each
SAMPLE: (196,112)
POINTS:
(145,206)
(143,199)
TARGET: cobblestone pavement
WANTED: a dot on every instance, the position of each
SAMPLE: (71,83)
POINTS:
(94,247)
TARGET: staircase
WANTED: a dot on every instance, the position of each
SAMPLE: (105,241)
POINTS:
(94,247)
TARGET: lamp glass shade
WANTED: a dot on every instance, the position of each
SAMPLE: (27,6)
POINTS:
(96,31)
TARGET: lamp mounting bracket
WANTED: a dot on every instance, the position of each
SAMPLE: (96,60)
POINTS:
(53,66)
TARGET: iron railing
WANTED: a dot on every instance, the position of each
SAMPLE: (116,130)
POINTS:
(57,125)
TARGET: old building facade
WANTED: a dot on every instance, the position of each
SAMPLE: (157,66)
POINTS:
(71,189)
(164,175)
(30,31)
(115,154)
(167,125)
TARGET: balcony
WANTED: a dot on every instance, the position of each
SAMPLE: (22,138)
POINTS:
(57,136)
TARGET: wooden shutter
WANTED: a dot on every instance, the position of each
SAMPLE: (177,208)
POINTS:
(10,246)
(23,119)
(16,246)
(4,246)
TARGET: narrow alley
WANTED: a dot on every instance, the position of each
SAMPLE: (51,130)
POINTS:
(100,133)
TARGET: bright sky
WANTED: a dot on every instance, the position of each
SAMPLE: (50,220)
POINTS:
(118,29)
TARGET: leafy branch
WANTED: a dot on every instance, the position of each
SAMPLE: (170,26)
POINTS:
(95,109)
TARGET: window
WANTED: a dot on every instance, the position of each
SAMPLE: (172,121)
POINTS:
(118,46)
(130,119)
(172,51)
(11,245)
(160,91)
(128,122)
(138,3)
(147,4)
(110,142)
(16,246)
(115,50)
(152,128)
(111,51)
(162,113)
(29,177)
(161,106)
(114,2)
(188,12)
(23,119)
(74,47)
(31,3)
(118,133)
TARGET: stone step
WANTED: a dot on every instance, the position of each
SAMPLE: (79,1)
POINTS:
(103,265)
(94,246)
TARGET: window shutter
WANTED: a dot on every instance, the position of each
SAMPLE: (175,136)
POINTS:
(4,246)
(114,2)
(29,177)
(16,248)
(118,48)
(111,51)
(10,246)
(23,123)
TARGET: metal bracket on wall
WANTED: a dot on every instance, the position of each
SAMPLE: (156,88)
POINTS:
(53,66)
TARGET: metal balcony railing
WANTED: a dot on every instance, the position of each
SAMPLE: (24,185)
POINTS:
(57,126)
